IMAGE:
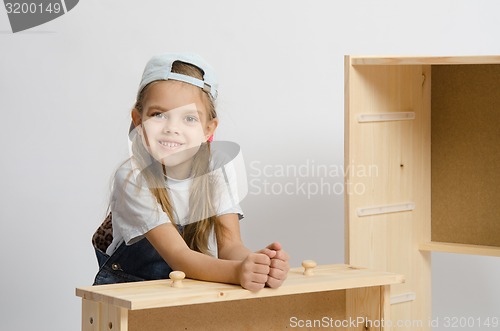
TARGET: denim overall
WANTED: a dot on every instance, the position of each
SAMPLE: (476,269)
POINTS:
(137,262)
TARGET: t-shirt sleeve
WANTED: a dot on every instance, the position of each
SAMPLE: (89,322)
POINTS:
(134,208)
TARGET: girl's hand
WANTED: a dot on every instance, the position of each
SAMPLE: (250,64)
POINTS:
(279,266)
(254,269)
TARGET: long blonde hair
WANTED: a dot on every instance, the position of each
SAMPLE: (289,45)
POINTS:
(201,213)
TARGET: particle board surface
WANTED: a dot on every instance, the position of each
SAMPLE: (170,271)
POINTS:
(465,144)
(272,313)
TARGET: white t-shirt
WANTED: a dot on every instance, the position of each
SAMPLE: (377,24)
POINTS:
(136,211)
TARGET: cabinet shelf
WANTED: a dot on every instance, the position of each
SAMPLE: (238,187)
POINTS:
(460,248)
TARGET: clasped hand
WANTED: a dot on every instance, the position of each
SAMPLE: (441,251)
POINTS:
(269,266)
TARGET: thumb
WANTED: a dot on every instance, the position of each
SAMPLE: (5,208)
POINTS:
(275,246)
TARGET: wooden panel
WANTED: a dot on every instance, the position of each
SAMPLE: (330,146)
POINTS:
(423,60)
(363,305)
(114,318)
(460,248)
(99,316)
(385,305)
(399,154)
(154,294)
(90,315)
(315,300)
(466,154)
(274,313)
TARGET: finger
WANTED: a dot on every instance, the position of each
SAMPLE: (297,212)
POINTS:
(251,275)
(260,278)
(268,252)
(275,246)
(279,264)
(252,286)
(278,273)
(262,258)
(273,282)
(261,269)
(282,255)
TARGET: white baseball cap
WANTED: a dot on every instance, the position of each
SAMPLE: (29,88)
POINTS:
(160,68)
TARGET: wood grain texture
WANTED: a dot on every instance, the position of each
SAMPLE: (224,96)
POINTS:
(364,305)
(398,152)
(91,315)
(155,294)
(460,248)
(424,60)
(309,302)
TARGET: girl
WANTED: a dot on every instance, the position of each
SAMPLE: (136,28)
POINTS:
(174,201)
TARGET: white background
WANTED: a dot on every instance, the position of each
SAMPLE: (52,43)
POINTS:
(67,87)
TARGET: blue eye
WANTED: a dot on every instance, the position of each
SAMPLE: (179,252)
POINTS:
(159,115)
(191,119)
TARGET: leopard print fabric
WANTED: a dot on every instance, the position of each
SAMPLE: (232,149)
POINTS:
(103,236)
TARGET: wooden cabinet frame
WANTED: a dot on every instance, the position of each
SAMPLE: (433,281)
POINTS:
(398,112)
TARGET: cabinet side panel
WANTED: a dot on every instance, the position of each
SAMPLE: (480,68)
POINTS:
(363,305)
(347,130)
(388,166)
(90,315)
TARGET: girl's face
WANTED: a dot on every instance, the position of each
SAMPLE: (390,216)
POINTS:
(173,124)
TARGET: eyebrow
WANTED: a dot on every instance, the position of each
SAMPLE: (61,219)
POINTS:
(187,110)
(157,108)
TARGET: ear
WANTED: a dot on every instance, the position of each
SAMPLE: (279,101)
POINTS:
(136,117)
(210,128)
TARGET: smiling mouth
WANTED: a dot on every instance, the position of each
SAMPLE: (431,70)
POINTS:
(170,144)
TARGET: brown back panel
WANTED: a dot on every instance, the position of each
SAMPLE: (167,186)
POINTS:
(466,154)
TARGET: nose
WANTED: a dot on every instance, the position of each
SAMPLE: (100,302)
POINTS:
(172,125)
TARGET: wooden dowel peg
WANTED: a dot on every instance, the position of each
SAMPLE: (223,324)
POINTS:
(309,266)
(177,277)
